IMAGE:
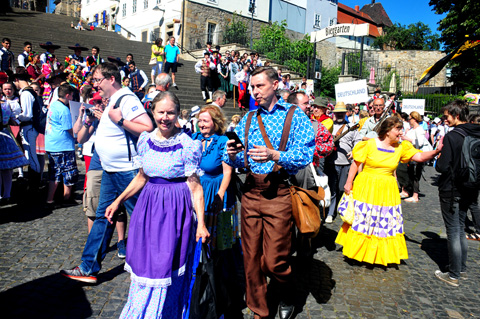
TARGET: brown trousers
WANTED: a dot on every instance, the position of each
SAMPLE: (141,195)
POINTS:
(266,236)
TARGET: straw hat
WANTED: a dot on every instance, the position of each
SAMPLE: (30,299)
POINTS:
(340,107)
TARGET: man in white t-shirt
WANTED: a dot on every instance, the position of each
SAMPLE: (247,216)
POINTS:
(123,120)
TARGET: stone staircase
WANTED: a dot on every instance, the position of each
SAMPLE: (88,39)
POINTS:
(36,27)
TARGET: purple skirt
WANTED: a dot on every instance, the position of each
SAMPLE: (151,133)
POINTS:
(161,234)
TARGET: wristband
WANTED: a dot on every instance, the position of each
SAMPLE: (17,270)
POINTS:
(87,125)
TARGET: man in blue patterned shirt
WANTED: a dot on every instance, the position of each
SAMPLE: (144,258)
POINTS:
(266,203)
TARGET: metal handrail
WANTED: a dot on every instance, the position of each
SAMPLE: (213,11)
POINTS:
(129,33)
(185,50)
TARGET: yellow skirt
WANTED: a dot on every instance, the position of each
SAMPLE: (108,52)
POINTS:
(376,235)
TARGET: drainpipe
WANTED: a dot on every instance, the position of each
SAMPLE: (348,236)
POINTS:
(183,24)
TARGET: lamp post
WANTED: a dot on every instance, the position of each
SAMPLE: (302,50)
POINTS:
(251,9)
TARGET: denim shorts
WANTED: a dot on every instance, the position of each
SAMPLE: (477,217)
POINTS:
(62,167)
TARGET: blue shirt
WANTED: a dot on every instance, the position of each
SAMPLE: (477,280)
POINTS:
(300,145)
(59,121)
(171,53)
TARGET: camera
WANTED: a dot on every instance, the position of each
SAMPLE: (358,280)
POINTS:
(90,112)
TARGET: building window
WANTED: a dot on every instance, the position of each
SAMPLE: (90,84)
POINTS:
(158,1)
(333,1)
(213,1)
(145,4)
(332,21)
(124,10)
(134,6)
(368,41)
(88,1)
(211,27)
(318,20)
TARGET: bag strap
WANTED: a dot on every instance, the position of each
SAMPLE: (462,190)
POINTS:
(247,128)
(128,136)
(339,132)
(285,133)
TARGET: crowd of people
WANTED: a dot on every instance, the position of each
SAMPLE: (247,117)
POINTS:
(176,174)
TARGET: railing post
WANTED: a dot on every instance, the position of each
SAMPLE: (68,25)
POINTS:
(343,63)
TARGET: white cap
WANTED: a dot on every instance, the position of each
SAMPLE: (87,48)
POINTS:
(437,120)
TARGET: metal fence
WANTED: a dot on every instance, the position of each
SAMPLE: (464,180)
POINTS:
(392,78)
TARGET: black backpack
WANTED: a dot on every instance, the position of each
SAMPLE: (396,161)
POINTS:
(148,108)
(468,171)
(39,118)
(128,136)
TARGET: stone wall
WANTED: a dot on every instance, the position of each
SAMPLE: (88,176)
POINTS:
(69,7)
(327,52)
(409,64)
(198,16)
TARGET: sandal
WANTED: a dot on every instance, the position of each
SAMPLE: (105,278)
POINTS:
(473,236)
(411,200)
(403,195)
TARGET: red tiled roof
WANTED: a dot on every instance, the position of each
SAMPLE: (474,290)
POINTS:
(348,15)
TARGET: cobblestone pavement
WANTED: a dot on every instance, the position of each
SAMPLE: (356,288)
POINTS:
(35,244)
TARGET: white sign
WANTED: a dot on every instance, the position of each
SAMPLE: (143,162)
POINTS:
(410,105)
(351,92)
(75,109)
(356,30)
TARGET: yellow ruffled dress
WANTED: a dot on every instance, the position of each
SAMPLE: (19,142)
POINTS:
(376,235)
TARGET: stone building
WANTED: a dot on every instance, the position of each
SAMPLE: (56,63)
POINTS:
(68,7)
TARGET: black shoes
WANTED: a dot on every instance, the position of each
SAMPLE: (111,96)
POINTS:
(285,311)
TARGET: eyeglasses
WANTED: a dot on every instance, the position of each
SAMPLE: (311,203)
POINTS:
(97,80)
(380,105)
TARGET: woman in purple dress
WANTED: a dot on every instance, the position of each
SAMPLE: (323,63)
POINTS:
(163,225)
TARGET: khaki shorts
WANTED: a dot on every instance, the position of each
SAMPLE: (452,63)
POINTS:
(91,195)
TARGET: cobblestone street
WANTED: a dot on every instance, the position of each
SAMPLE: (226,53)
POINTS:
(35,244)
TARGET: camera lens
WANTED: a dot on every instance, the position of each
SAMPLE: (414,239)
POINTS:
(89,112)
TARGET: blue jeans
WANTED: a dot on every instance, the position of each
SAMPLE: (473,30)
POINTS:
(113,184)
(454,219)
(339,178)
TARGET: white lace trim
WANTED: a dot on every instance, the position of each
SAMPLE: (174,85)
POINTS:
(150,282)
(171,141)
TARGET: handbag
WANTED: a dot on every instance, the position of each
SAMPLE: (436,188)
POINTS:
(305,203)
(153,61)
(346,208)
(203,294)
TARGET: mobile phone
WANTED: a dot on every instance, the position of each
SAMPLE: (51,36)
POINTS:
(234,136)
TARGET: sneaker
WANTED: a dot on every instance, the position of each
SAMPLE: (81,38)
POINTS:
(329,219)
(77,274)
(121,249)
(445,277)
(463,275)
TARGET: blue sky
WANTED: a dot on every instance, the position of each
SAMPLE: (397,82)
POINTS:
(404,11)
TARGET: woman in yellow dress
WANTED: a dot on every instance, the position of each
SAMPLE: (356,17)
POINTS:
(376,235)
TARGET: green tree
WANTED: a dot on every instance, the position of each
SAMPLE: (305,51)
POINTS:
(326,86)
(417,36)
(461,20)
(236,31)
(275,45)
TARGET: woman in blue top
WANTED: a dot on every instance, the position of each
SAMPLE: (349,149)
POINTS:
(221,215)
